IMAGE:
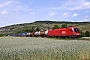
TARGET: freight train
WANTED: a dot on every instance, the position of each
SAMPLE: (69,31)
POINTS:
(70,31)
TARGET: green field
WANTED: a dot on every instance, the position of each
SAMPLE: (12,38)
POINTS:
(32,48)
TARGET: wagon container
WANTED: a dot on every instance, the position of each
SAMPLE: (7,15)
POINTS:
(42,33)
(46,32)
(22,34)
(37,33)
(28,34)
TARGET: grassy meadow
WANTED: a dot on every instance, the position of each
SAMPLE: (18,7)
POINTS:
(36,48)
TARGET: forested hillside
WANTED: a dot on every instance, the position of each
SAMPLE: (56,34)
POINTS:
(42,25)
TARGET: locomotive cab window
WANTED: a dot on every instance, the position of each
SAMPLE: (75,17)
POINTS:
(76,30)
(71,30)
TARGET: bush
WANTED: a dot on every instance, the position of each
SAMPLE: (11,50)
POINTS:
(1,35)
(64,26)
(87,34)
(56,27)
(82,33)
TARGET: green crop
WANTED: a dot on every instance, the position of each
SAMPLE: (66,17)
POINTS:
(27,48)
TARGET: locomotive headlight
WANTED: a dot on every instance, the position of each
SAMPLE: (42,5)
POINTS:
(78,34)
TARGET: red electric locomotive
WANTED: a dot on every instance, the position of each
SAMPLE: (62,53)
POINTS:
(70,31)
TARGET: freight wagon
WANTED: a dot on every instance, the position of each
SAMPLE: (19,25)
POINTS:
(30,34)
(22,34)
(37,34)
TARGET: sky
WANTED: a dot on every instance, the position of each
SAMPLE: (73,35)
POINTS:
(27,11)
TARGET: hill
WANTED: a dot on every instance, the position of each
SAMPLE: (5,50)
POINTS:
(84,26)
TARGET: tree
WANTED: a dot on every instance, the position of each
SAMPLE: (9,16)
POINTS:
(87,34)
(37,29)
(82,33)
(1,35)
(18,31)
(56,27)
(23,30)
(64,26)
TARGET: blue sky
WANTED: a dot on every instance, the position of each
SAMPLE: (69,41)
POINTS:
(26,11)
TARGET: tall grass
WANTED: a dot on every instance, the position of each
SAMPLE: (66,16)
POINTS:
(43,49)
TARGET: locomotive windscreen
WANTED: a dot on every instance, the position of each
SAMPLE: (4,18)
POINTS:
(76,30)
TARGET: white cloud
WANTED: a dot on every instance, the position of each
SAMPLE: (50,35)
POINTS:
(75,8)
(52,13)
(66,13)
(85,20)
(4,12)
(74,15)
(87,5)
(17,2)
(5,4)
(74,5)
(10,4)
(33,13)
(86,17)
